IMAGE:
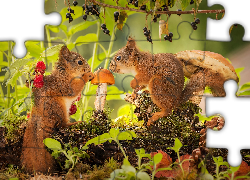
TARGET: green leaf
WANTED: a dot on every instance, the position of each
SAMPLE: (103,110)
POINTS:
(127,168)
(52,144)
(113,93)
(126,162)
(13,79)
(157,158)
(79,27)
(142,176)
(238,71)
(4,45)
(114,133)
(126,135)
(245,93)
(54,29)
(184,4)
(164,169)
(177,145)
(52,50)
(91,37)
(234,169)
(99,139)
(99,58)
(55,154)
(33,48)
(245,86)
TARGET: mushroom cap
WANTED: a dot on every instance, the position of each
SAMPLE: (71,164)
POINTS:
(103,76)
(193,59)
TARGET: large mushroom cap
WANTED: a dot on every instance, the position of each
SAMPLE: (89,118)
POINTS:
(103,76)
(193,59)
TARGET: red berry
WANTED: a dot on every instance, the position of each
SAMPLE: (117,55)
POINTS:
(72,109)
(38,81)
(28,115)
(79,97)
(40,67)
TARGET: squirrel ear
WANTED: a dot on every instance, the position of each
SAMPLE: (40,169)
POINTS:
(64,53)
(131,43)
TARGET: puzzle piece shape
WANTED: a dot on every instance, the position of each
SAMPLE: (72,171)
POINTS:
(235,110)
(21,30)
(234,12)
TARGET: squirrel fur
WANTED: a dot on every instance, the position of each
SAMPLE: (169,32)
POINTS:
(163,74)
(51,108)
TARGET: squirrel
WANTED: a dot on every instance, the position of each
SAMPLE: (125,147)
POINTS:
(164,74)
(51,108)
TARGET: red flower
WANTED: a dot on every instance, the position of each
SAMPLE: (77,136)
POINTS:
(40,67)
(38,81)
(72,109)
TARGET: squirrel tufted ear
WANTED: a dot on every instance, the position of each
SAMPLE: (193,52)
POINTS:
(64,53)
(131,43)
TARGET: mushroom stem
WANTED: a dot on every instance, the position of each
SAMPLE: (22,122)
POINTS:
(101,94)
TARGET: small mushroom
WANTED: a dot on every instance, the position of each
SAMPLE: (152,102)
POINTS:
(102,78)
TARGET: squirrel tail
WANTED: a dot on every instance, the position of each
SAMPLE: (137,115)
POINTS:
(35,157)
(194,89)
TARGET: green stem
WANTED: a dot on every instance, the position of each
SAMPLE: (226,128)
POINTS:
(48,35)
(104,50)
(87,85)
(180,164)
(8,85)
(110,48)
(120,146)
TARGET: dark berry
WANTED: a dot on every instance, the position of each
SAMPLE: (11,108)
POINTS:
(145,29)
(146,33)
(90,8)
(158,15)
(155,19)
(170,34)
(103,26)
(143,7)
(166,37)
(84,17)
(75,3)
(192,2)
(194,27)
(71,10)
(83,7)
(193,24)
(68,15)
(107,31)
(170,39)
(70,19)
(94,6)
(130,2)
(87,12)
(197,21)
(116,14)
(179,10)
(149,39)
(116,19)
(136,4)
(165,8)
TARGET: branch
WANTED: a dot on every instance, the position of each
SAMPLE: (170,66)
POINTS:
(158,12)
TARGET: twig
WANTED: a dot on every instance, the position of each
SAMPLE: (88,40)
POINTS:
(159,12)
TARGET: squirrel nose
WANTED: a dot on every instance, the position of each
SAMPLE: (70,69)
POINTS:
(91,76)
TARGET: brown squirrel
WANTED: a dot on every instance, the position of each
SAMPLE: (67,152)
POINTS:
(51,108)
(164,75)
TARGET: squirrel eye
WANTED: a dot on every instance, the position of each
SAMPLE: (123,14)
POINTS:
(80,62)
(118,58)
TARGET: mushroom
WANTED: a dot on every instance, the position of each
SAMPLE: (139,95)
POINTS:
(205,68)
(102,78)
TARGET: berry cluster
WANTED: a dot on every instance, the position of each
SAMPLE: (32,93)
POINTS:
(93,9)
(192,2)
(168,37)
(104,29)
(39,72)
(116,15)
(69,16)
(194,24)
(73,108)
(156,17)
(147,34)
